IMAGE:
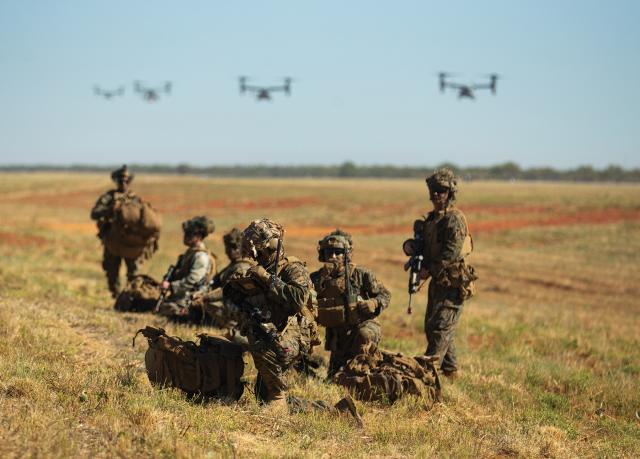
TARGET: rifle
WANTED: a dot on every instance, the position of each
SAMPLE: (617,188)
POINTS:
(167,277)
(414,265)
(274,276)
(349,297)
(257,319)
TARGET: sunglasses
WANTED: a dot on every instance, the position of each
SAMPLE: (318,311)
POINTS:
(330,252)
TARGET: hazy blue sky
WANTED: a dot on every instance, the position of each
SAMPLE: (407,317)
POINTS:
(367,89)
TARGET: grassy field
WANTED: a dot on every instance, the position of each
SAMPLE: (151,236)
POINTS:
(549,348)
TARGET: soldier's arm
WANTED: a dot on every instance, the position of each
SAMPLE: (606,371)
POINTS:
(216,282)
(291,289)
(103,207)
(374,289)
(453,237)
(197,273)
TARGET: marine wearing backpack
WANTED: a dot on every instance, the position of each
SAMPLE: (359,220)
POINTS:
(128,227)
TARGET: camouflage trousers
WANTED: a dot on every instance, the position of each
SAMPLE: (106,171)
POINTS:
(346,343)
(444,307)
(273,359)
(111,266)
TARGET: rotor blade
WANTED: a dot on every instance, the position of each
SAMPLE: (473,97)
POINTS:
(480,86)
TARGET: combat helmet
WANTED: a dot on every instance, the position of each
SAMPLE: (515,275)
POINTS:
(201,226)
(337,239)
(260,235)
(122,174)
(443,178)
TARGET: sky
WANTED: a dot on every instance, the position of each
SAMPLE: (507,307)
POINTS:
(365,86)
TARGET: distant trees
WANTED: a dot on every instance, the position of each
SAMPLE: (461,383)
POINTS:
(348,169)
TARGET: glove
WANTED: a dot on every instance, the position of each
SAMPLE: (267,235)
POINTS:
(198,299)
(367,308)
(259,273)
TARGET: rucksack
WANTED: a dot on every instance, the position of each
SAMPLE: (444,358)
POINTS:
(140,295)
(134,224)
(213,368)
(384,376)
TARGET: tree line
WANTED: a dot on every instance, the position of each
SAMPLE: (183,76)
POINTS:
(505,171)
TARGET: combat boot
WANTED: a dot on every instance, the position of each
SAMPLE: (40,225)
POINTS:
(348,406)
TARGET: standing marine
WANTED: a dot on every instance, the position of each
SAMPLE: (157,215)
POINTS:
(443,240)
(350,298)
(193,271)
(127,227)
(275,300)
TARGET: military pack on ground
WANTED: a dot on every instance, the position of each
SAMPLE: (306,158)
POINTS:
(269,307)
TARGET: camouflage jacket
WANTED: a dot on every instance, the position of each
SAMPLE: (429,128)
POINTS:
(446,239)
(194,269)
(362,280)
(286,297)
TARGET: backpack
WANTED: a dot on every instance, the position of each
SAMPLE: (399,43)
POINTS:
(134,224)
(213,368)
(141,295)
(385,376)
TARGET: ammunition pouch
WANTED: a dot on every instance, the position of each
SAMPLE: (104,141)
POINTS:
(332,313)
(459,275)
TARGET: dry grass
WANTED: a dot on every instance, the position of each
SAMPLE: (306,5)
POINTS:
(549,348)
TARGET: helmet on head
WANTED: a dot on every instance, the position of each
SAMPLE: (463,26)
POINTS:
(443,179)
(233,243)
(337,239)
(261,235)
(201,226)
(122,174)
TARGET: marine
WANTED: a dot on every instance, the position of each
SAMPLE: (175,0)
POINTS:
(442,237)
(274,298)
(104,212)
(215,310)
(193,271)
(348,311)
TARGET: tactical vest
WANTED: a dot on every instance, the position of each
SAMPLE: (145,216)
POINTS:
(306,318)
(332,312)
(457,274)
(432,248)
(187,259)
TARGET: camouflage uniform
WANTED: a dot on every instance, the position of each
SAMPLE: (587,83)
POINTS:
(282,330)
(446,242)
(362,332)
(102,213)
(194,270)
(213,309)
